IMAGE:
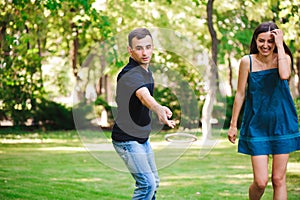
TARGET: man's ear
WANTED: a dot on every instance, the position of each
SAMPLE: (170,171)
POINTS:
(129,50)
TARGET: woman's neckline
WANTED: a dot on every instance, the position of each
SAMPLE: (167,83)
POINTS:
(265,70)
(261,66)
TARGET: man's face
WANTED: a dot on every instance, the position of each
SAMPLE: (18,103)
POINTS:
(141,50)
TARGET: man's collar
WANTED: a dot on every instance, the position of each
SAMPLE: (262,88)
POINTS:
(133,62)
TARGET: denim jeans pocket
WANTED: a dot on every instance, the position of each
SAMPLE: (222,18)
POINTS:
(125,149)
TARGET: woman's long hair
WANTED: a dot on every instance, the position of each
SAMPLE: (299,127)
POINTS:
(262,28)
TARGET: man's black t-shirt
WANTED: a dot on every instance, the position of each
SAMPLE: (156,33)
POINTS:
(133,122)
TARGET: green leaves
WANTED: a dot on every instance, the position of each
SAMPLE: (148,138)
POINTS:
(32,31)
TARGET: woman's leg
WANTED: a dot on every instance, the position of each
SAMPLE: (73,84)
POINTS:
(260,173)
(279,176)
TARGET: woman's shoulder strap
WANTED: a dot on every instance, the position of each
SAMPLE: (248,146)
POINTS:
(250,57)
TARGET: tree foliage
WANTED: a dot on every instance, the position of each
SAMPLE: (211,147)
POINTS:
(78,40)
(22,44)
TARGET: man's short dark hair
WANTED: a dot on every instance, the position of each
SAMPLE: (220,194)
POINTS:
(139,33)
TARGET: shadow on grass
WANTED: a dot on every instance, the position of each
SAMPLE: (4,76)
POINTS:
(62,169)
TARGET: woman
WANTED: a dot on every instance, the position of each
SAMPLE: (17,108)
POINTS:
(270,122)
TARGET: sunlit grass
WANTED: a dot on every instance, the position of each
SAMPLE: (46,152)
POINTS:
(62,169)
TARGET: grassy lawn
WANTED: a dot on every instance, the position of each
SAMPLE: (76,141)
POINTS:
(55,165)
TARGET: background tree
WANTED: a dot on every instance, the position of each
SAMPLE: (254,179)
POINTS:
(50,47)
(22,44)
(212,75)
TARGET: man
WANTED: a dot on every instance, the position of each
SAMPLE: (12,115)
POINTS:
(130,134)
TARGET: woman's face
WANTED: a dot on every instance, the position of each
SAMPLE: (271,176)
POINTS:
(265,43)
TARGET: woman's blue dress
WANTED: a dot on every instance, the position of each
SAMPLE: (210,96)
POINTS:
(270,121)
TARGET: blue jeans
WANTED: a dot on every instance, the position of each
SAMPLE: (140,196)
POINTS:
(139,159)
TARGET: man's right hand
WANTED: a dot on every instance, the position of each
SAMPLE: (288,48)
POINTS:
(166,120)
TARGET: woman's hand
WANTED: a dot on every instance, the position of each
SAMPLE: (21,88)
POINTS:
(284,60)
(278,37)
(232,133)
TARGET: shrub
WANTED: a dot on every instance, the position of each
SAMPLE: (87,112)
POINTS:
(101,104)
(53,116)
(229,106)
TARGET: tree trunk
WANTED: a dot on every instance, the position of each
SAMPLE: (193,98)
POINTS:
(79,96)
(74,51)
(3,40)
(230,74)
(298,71)
(102,90)
(214,39)
(212,77)
(40,55)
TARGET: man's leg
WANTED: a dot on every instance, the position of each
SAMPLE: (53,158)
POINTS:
(135,157)
(152,164)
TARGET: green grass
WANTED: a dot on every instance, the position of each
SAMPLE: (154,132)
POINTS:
(55,166)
